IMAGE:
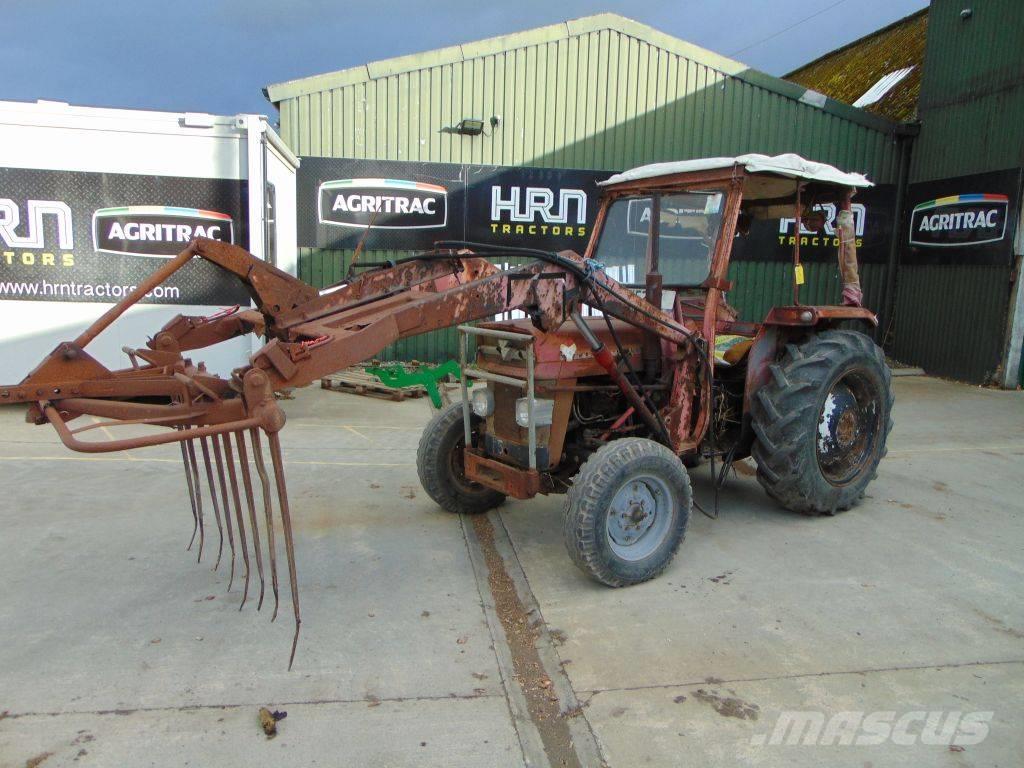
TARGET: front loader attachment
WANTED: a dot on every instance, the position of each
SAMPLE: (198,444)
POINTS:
(221,424)
(226,429)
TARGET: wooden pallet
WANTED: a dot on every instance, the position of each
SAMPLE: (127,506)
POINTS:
(356,381)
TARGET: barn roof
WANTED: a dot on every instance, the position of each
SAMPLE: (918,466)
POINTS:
(880,72)
(564,31)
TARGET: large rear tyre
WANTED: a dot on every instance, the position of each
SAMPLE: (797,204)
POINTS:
(626,512)
(441,465)
(822,422)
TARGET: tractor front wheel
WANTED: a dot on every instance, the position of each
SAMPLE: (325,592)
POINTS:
(626,512)
(440,464)
(822,421)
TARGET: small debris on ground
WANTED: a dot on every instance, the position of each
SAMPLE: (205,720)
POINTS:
(727,706)
(268,721)
(32,762)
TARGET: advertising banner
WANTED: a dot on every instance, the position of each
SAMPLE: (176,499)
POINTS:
(411,205)
(963,220)
(84,236)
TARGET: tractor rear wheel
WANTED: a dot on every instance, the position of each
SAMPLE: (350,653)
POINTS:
(440,464)
(626,512)
(822,421)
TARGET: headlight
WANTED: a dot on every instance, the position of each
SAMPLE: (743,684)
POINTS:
(482,402)
(541,412)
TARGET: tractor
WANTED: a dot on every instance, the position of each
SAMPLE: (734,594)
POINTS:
(606,390)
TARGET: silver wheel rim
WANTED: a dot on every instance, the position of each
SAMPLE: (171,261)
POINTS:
(639,516)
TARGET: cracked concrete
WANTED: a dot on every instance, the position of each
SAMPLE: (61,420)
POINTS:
(113,654)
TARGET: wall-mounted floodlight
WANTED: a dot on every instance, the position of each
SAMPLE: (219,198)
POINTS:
(468,127)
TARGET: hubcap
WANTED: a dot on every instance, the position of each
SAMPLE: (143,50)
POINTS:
(847,428)
(639,517)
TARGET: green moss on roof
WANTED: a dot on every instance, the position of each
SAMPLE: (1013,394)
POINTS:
(847,73)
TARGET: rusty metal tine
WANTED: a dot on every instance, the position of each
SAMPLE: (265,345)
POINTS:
(261,470)
(243,462)
(229,457)
(190,448)
(286,525)
(226,505)
(213,497)
(191,493)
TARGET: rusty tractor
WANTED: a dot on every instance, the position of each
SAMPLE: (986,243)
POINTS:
(597,392)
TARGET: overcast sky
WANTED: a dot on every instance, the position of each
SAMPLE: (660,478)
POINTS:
(217,55)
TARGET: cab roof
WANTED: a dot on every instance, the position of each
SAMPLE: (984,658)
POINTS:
(789,166)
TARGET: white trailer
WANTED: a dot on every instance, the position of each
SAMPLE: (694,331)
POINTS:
(92,200)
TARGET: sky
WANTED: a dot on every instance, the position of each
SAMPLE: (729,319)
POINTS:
(217,55)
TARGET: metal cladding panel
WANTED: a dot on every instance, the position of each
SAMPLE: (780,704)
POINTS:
(760,285)
(951,319)
(598,99)
(972,91)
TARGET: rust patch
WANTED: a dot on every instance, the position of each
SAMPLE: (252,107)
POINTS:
(521,634)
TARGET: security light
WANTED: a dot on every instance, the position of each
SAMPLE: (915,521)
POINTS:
(468,127)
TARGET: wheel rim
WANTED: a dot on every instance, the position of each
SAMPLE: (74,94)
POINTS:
(639,516)
(457,468)
(848,425)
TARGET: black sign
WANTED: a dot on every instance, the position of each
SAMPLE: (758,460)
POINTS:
(383,204)
(410,206)
(84,236)
(963,220)
(549,208)
(143,230)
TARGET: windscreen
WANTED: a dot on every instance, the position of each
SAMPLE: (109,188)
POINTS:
(687,231)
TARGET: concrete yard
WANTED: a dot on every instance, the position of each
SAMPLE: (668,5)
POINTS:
(117,649)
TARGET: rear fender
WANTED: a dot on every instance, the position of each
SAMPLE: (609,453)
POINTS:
(782,325)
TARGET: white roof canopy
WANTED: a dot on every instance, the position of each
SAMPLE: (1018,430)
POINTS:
(788,165)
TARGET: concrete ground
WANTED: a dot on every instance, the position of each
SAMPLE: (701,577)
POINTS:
(430,640)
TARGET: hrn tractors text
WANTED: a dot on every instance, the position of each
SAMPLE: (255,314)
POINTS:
(599,393)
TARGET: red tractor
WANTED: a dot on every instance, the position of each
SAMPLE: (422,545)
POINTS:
(608,408)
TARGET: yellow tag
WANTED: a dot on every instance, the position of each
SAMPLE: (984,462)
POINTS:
(799,271)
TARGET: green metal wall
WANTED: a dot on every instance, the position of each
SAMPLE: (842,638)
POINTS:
(600,93)
(950,319)
(972,92)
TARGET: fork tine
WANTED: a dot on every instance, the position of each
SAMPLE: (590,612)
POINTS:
(261,470)
(191,493)
(213,497)
(190,449)
(243,462)
(286,524)
(230,459)
(219,459)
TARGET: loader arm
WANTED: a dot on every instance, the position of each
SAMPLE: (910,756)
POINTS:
(310,335)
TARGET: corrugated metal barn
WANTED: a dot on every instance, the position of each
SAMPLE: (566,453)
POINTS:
(601,92)
(958,309)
